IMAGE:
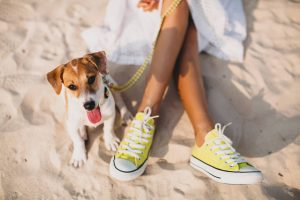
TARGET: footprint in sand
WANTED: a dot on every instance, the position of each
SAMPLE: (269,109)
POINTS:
(12,41)
(12,32)
(76,11)
(19,83)
(12,89)
(13,11)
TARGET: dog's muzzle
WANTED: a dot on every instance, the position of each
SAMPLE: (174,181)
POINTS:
(90,105)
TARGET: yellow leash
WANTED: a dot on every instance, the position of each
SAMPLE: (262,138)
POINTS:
(137,75)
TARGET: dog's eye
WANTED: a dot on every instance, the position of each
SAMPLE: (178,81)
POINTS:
(72,87)
(91,80)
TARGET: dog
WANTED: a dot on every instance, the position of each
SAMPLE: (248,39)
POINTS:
(88,101)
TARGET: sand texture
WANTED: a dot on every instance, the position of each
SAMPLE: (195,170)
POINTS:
(261,97)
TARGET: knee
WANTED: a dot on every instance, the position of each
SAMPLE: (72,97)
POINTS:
(180,13)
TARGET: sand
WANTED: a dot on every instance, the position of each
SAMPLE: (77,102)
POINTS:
(261,97)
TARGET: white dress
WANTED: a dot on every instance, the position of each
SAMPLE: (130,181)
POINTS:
(128,32)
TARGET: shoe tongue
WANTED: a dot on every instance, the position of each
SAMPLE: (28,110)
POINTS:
(140,117)
(95,115)
(212,135)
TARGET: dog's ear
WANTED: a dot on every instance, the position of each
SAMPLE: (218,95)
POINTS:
(99,60)
(55,78)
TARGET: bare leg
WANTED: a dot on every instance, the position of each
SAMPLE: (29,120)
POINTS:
(167,49)
(191,87)
(162,66)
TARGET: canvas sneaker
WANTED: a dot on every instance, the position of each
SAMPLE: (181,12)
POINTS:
(131,158)
(219,160)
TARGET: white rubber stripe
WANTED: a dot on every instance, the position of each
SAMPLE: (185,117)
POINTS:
(225,176)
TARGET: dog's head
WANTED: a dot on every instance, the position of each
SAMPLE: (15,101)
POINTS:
(82,79)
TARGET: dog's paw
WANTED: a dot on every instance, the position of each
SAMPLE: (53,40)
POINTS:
(111,142)
(78,158)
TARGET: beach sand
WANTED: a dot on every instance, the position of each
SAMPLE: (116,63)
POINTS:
(261,97)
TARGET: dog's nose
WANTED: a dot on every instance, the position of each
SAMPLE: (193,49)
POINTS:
(89,105)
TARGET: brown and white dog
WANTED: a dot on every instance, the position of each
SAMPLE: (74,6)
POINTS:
(89,102)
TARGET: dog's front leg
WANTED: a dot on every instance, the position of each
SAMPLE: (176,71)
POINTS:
(126,115)
(110,139)
(83,132)
(79,152)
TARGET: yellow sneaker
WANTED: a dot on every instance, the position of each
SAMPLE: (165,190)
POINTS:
(131,158)
(218,159)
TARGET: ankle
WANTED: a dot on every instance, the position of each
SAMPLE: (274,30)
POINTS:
(154,108)
(201,131)
(199,141)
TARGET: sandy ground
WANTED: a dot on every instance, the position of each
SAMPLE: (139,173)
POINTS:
(261,97)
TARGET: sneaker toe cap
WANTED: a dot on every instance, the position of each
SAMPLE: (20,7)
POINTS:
(124,165)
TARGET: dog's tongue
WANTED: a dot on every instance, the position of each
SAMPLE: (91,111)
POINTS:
(94,115)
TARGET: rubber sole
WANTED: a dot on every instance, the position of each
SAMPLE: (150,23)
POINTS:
(125,176)
(227,177)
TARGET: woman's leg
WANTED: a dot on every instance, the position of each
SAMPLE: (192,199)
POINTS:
(131,157)
(220,162)
(191,87)
(167,49)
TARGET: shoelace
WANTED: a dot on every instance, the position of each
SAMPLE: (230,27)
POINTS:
(223,143)
(135,133)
